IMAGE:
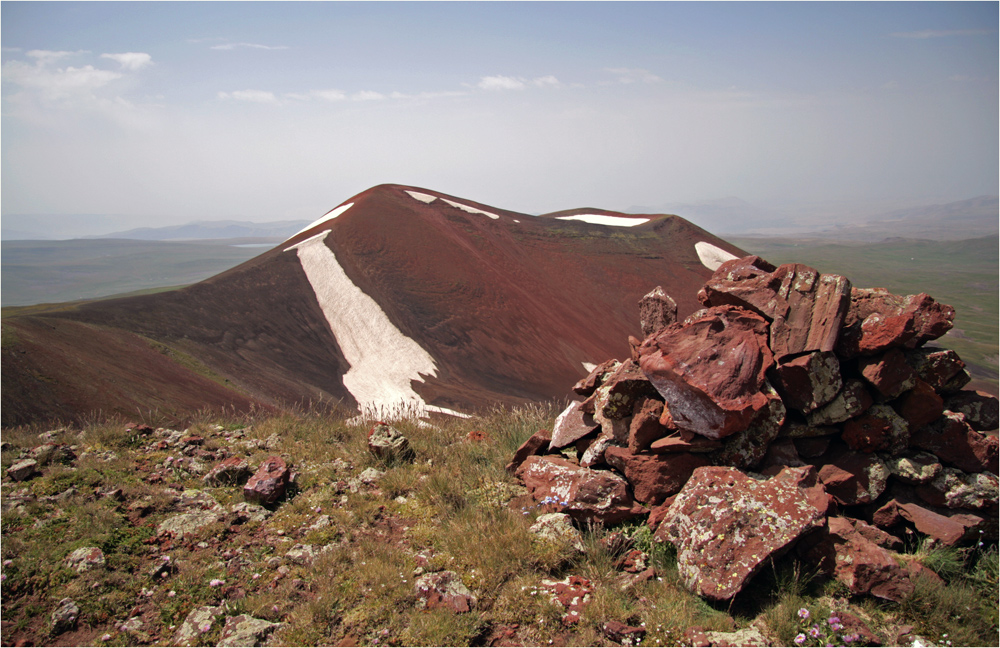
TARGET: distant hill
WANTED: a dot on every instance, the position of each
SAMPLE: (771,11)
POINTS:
(724,216)
(400,295)
(222,229)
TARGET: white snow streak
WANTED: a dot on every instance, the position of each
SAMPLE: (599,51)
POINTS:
(601,219)
(588,366)
(471,210)
(711,256)
(330,215)
(383,360)
(422,197)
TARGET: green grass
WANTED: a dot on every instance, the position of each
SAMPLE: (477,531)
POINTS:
(447,509)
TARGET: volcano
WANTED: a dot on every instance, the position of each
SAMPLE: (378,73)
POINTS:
(399,297)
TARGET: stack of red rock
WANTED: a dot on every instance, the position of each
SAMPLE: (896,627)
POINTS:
(794,412)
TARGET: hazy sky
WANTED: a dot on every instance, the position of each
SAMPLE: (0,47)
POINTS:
(267,111)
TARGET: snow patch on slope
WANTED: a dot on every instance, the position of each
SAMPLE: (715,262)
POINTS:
(712,256)
(601,219)
(471,210)
(383,360)
(330,215)
(422,197)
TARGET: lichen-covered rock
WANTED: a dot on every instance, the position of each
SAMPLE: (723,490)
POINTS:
(852,477)
(585,494)
(954,441)
(269,483)
(616,397)
(558,527)
(920,406)
(981,410)
(880,429)
(711,369)
(388,444)
(654,477)
(809,381)
(23,470)
(586,386)
(852,400)
(656,310)
(245,630)
(942,369)
(845,551)
(85,558)
(727,525)
(65,616)
(198,622)
(199,510)
(571,424)
(444,590)
(572,593)
(747,448)
(622,633)
(913,467)
(958,490)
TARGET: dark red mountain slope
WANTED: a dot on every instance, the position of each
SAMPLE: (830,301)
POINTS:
(428,298)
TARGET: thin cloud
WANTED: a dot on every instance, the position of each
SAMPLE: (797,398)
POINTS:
(44,57)
(367,95)
(130,60)
(331,96)
(232,46)
(251,96)
(500,82)
(633,75)
(940,33)
(60,82)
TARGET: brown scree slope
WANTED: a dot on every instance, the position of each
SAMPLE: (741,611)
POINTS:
(509,308)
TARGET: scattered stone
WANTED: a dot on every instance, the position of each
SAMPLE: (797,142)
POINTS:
(198,622)
(558,527)
(920,406)
(880,429)
(711,370)
(727,525)
(852,477)
(191,522)
(85,558)
(572,593)
(596,378)
(245,630)
(229,472)
(942,369)
(23,470)
(269,483)
(746,637)
(53,453)
(244,512)
(852,400)
(913,467)
(955,489)
(947,529)
(444,590)
(681,441)
(747,448)
(956,443)
(654,477)
(808,382)
(388,444)
(65,616)
(585,494)
(878,320)
(624,634)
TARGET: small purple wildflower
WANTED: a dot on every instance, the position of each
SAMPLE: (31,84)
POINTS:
(803,613)
(800,639)
(814,631)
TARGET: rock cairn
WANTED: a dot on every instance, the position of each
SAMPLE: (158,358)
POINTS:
(794,413)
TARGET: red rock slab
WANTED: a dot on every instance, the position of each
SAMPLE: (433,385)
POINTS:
(877,430)
(656,310)
(948,529)
(746,448)
(809,381)
(955,489)
(228,472)
(942,369)
(981,410)
(654,477)
(617,396)
(920,406)
(679,442)
(537,444)
(710,370)
(888,373)
(878,320)
(842,550)
(444,590)
(957,444)
(645,427)
(727,526)
(268,484)
(586,386)
(806,308)
(585,494)
(572,424)
(852,477)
